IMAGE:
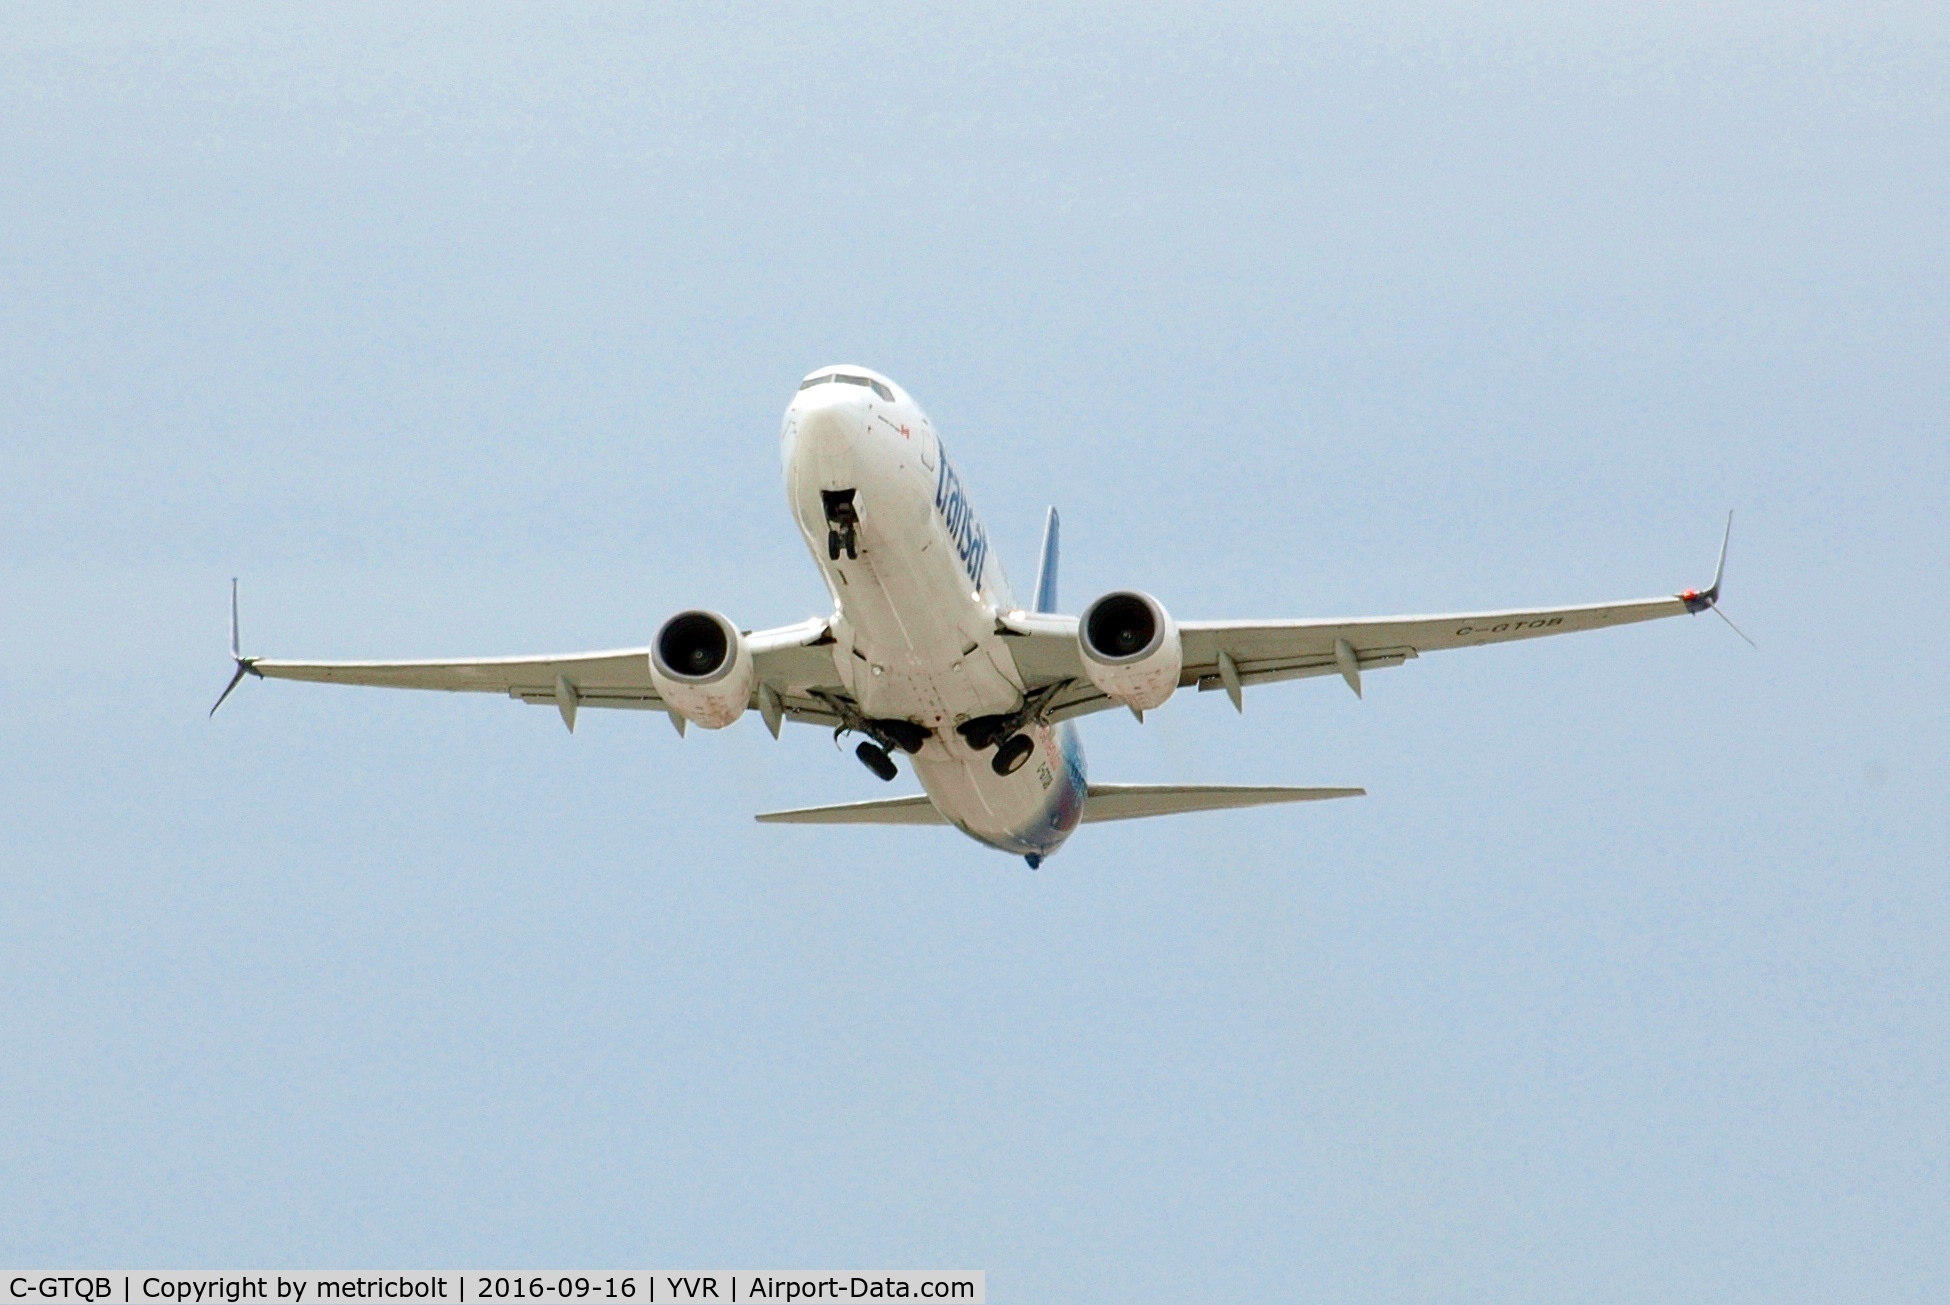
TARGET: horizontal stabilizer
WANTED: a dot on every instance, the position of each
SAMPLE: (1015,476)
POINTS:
(916,810)
(1129,801)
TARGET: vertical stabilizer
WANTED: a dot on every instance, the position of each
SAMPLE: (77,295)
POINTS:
(1046,569)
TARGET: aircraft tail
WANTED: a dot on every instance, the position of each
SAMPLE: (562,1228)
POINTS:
(1130,801)
(1046,568)
(916,810)
(1106,802)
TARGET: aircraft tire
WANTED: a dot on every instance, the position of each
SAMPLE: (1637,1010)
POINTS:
(1009,758)
(875,758)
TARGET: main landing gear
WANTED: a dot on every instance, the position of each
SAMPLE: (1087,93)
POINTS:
(877,753)
(1012,748)
(1011,753)
(842,521)
(875,758)
(1014,752)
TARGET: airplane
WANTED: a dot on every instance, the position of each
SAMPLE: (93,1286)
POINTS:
(927,653)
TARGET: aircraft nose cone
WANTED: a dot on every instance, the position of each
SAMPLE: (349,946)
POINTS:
(829,424)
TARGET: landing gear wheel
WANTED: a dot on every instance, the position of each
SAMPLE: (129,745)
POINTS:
(875,758)
(832,545)
(909,736)
(1015,750)
(851,551)
(984,732)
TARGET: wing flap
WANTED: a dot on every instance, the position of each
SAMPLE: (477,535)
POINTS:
(1132,801)
(1271,672)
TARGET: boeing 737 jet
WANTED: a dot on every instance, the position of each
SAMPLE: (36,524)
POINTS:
(927,652)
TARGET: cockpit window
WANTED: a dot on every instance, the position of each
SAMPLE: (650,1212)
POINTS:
(844,379)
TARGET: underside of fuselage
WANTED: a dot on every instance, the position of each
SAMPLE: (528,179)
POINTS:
(916,591)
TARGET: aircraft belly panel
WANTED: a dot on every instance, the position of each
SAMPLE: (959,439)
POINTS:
(1031,811)
(904,600)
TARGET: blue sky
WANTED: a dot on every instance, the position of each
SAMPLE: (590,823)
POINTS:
(467,332)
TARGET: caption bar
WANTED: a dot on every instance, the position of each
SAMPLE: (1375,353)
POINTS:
(635,1288)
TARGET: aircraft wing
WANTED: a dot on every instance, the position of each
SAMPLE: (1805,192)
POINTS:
(619,678)
(791,660)
(1232,654)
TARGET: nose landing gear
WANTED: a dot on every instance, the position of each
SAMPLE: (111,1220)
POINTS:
(842,521)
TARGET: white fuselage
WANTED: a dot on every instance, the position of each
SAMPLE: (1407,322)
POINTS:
(914,613)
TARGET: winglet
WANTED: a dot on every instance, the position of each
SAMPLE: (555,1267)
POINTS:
(245,665)
(1720,567)
(1698,601)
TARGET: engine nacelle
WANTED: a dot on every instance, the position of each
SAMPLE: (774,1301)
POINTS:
(702,667)
(1131,648)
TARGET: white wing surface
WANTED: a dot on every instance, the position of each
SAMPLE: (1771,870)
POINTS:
(619,678)
(1232,654)
(795,662)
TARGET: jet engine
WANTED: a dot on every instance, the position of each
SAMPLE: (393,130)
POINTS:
(702,667)
(1131,648)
